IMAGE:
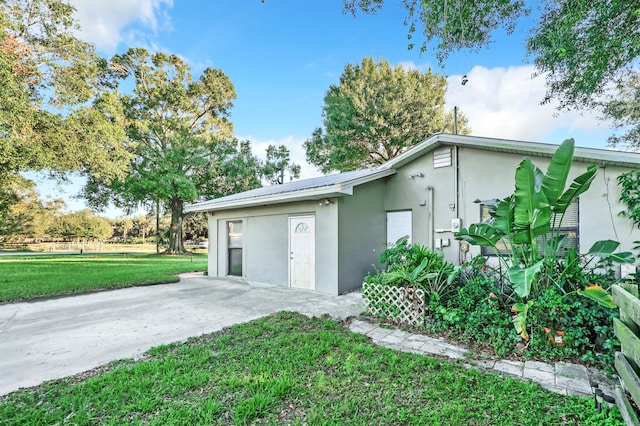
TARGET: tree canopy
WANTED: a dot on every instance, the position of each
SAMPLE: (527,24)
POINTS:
(376,112)
(179,136)
(623,109)
(578,45)
(49,80)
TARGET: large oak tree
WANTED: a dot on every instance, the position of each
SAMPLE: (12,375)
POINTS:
(49,81)
(578,45)
(179,135)
(377,112)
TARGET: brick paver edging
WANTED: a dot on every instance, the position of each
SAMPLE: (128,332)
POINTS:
(561,377)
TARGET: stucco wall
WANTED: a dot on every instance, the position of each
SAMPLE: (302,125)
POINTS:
(404,192)
(350,228)
(266,243)
(485,175)
(361,234)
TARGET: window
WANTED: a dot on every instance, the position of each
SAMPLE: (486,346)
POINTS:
(398,226)
(234,245)
(570,227)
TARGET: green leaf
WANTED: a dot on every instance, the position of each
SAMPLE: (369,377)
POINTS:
(622,257)
(480,234)
(531,209)
(603,248)
(520,318)
(503,216)
(555,179)
(578,186)
(418,270)
(522,278)
(598,294)
(606,250)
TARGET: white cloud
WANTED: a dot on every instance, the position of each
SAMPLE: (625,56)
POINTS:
(505,103)
(410,65)
(106,22)
(298,155)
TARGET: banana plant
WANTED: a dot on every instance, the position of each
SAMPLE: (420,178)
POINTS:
(532,213)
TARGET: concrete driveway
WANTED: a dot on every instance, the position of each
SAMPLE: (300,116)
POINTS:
(54,338)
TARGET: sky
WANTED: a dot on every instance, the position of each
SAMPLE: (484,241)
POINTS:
(282,56)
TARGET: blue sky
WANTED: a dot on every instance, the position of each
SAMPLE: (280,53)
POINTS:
(282,56)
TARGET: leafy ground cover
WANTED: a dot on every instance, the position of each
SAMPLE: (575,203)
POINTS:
(27,277)
(290,369)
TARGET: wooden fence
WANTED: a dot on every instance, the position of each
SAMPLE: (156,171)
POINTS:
(627,330)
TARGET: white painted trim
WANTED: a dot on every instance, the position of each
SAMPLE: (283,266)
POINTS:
(597,156)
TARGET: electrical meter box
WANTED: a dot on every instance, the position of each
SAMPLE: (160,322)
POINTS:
(456,224)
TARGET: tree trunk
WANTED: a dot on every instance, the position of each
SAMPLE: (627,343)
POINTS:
(175,231)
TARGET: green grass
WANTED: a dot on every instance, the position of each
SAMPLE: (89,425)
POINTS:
(27,277)
(289,369)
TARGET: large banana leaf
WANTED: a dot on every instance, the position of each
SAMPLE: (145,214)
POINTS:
(606,250)
(480,234)
(531,209)
(524,194)
(503,215)
(555,179)
(578,186)
(603,248)
(522,278)
(600,295)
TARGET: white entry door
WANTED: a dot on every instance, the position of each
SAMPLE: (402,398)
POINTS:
(302,252)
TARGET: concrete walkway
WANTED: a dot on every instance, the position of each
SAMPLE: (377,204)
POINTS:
(54,338)
(561,377)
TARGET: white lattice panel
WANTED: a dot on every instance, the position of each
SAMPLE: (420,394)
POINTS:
(401,304)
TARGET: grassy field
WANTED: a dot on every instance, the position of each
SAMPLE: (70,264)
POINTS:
(289,369)
(27,277)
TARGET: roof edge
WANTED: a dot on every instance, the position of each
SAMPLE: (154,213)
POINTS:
(584,154)
(333,190)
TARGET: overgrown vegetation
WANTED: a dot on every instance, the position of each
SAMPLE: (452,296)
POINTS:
(289,369)
(474,304)
(538,297)
(27,277)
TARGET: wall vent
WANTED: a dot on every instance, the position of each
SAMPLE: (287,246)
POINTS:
(442,158)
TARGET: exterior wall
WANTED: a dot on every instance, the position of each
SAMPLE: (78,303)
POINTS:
(428,197)
(351,230)
(361,234)
(485,175)
(266,243)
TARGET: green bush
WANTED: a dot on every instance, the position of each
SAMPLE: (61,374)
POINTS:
(473,303)
(478,314)
(414,265)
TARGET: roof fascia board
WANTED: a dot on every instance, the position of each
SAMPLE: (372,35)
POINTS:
(592,155)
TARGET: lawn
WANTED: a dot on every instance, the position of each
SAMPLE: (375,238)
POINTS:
(27,277)
(289,369)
